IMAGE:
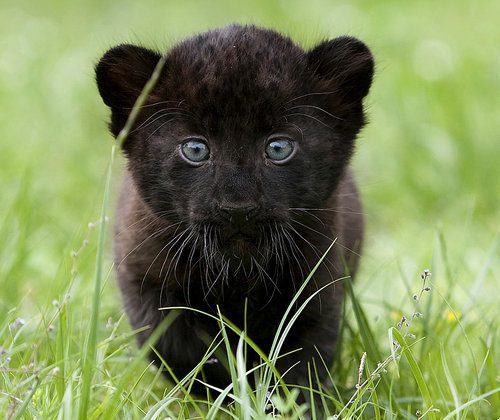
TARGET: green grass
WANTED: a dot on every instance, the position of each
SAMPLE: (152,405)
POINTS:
(428,169)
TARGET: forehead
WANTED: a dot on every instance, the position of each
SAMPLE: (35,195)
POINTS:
(238,77)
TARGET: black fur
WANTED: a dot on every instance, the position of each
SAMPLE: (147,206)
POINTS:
(238,226)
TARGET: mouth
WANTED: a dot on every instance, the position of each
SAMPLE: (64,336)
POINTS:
(235,244)
(239,233)
(240,245)
(239,236)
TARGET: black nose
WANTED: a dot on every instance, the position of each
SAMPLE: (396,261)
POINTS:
(238,216)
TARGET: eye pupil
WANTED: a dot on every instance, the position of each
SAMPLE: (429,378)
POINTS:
(279,149)
(195,150)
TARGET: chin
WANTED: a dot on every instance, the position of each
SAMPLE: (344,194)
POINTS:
(240,249)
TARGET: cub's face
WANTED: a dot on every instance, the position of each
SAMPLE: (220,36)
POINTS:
(243,130)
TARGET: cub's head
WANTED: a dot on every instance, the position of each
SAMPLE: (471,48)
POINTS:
(243,127)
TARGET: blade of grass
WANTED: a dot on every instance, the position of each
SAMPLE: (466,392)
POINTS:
(89,353)
(376,405)
(339,400)
(116,402)
(365,331)
(320,389)
(169,398)
(415,369)
(479,398)
(311,392)
(279,338)
(231,361)
(66,410)
(242,379)
(367,338)
(62,349)
(27,399)
(480,278)
(449,378)
(248,340)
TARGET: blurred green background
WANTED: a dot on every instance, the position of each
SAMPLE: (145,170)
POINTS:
(427,163)
(427,166)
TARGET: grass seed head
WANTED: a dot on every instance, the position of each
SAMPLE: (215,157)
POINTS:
(18,323)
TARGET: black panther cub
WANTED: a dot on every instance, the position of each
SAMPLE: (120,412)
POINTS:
(237,183)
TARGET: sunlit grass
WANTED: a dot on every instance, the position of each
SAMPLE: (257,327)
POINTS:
(427,166)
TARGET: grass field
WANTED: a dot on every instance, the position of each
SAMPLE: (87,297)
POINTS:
(429,174)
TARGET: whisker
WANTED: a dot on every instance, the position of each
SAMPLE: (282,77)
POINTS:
(327,237)
(309,94)
(293,247)
(315,107)
(331,209)
(153,220)
(166,112)
(158,103)
(176,114)
(153,235)
(170,244)
(308,214)
(318,255)
(160,127)
(311,117)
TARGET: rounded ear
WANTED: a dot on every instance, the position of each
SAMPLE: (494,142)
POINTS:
(122,73)
(344,67)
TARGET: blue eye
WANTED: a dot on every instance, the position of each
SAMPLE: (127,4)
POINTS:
(195,150)
(279,149)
